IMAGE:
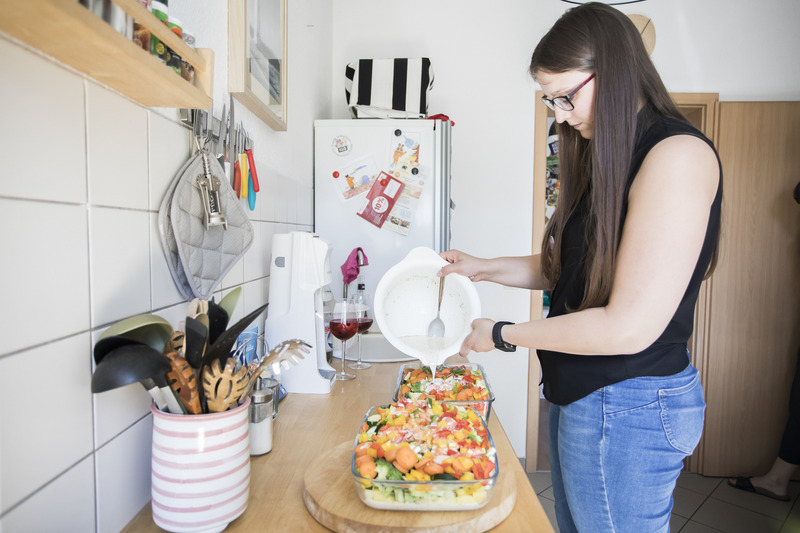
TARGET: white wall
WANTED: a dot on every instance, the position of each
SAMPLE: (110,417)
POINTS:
(83,171)
(480,53)
(82,178)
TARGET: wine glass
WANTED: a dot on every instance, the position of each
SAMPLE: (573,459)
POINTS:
(344,324)
(364,317)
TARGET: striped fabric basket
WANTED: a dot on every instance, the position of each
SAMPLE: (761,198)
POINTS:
(388,88)
(200,469)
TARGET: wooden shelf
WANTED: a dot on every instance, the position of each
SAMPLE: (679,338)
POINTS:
(71,34)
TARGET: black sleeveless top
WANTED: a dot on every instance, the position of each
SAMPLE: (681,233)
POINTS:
(568,377)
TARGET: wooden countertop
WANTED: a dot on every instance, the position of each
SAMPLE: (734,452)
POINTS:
(308,424)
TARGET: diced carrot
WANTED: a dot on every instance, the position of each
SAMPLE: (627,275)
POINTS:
(464,395)
(363,459)
(367,469)
(406,458)
(433,468)
(390,454)
(462,464)
(362,448)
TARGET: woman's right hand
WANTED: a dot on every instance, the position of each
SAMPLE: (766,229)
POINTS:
(464,264)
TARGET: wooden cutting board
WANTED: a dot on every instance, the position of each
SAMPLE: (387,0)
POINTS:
(330,495)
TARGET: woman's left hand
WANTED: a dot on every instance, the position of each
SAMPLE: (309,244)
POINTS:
(480,339)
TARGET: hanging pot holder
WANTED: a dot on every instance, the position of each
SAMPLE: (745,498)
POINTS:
(204,229)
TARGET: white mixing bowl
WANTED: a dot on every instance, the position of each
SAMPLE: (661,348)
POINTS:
(405,304)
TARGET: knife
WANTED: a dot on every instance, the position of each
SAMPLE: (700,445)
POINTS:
(252,163)
(219,153)
(231,142)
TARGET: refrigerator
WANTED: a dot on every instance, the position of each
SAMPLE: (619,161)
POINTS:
(382,186)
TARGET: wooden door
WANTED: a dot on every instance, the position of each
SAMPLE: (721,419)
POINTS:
(753,315)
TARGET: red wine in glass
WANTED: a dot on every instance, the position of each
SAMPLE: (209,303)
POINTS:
(364,324)
(344,329)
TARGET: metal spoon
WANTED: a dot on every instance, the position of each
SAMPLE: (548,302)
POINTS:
(436,328)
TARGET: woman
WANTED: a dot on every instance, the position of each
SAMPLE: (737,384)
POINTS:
(633,236)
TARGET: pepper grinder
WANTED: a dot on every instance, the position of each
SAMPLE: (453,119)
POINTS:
(260,419)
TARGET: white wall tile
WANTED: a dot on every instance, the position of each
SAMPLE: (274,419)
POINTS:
(117,141)
(170,147)
(234,277)
(45,262)
(66,504)
(257,256)
(268,196)
(305,205)
(120,256)
(283,194)
(291,200)
(123,476)
(43,134)
(44,429)
(164,291)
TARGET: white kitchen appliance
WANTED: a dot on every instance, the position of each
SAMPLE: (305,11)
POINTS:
(351,158)
(300,273)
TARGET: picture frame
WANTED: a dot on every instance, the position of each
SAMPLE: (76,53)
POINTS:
(257,58)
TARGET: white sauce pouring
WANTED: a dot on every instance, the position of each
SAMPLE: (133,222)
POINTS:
(430,350)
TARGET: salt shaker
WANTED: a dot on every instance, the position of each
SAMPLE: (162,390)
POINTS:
(260,419)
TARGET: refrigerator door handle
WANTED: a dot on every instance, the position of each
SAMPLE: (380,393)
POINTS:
(442,131)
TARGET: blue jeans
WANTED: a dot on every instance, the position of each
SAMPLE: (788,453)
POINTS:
(616,454)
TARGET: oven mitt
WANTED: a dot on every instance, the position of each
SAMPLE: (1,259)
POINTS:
(198,258)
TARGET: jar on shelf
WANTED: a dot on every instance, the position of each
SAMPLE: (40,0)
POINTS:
(141,35)
(173,59)
(160,9)
(187,70)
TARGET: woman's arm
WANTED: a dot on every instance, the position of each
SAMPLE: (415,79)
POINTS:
(669,205)
(524,272)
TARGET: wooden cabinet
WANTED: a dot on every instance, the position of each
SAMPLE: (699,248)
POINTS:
(751,314)
(747,320)
(71,34)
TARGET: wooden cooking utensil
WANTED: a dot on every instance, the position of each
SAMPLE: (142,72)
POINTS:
(223,386)
(182,380)
(174,344)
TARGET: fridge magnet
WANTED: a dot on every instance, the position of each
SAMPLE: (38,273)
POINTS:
(402,214)
(381,199)
(405,151)
(341,145)
(355,179)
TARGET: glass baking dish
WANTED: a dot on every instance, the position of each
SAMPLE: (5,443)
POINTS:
(443,385)
(454,458)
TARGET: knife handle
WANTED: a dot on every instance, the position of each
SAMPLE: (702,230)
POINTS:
(253,173)
(251,194)
(237,179)
(243,172)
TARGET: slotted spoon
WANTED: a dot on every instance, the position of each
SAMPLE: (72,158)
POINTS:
(291,351)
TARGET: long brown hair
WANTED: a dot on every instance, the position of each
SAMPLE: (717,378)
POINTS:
(597,38)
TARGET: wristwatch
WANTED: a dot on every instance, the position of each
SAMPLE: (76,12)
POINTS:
(497,337)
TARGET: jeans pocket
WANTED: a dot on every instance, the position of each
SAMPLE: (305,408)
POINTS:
(682,415)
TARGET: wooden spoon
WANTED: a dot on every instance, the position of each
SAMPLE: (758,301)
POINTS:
(223,386)
(182,380)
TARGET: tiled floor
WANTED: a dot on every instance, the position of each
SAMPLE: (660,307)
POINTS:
(707,505)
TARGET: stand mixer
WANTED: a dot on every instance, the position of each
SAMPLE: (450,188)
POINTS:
(300,272)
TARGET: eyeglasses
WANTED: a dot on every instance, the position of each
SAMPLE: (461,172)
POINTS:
(565,102)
